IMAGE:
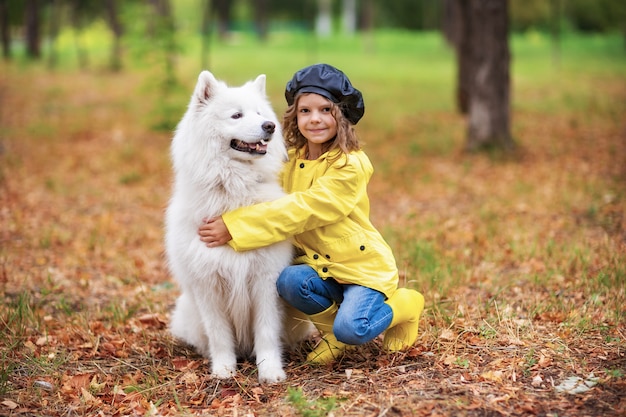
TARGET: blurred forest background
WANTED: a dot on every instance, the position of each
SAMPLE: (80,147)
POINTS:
(29,25)
(478,32)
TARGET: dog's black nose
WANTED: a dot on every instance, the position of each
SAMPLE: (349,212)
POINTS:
(269,127)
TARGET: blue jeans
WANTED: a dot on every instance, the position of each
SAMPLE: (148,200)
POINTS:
(362,315)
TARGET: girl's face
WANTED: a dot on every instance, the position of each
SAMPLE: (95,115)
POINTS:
(315,119)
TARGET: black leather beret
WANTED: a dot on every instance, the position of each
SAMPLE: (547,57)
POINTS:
(329,82)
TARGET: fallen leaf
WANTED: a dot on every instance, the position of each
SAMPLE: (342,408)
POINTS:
(189,378)
(76,382)
(449,360)
(87,396)
(153,320)
(183,364)
(42,341)
(447,334)
(10,404)
(495,376)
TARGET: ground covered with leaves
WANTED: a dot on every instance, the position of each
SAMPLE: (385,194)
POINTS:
(521,259)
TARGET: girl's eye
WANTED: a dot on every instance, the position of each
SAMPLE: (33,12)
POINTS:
(304,110)
(237,115)
(326,109)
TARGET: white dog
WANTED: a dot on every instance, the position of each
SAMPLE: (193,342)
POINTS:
(227,152)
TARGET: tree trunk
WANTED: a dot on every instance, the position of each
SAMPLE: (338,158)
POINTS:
(323,23)
(55,21)
(77,23)
(33,36)
(367,24)
(116,27)
(4,29)
(223,10)
(456,28)
(261,21)
(348,17)
(165,36)
(488,119)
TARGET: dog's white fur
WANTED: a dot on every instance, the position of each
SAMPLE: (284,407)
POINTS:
(229,305)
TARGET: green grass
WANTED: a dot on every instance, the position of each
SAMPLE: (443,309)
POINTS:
(310,408)
(17,320)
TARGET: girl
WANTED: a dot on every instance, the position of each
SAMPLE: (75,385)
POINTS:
(344,276)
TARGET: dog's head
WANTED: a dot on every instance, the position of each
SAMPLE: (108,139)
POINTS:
(239,120)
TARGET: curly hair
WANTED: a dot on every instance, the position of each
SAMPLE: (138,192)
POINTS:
(346,139)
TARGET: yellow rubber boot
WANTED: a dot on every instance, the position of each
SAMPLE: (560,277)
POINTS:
(329,348)
(407,306)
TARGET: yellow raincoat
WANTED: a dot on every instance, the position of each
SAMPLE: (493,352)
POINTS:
(326,213)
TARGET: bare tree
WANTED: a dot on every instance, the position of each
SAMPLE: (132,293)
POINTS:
(323,23)
(33,31)
(5,33)
(116,27)
(489,106)
(478,30)
(367,24)
(456,28)
(223,9)
(77,17)
(261,21)
(348,16)
(53,28)
(164,33)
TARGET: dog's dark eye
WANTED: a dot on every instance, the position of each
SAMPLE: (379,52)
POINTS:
(237,115)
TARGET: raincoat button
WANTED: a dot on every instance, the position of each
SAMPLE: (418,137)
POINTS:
(316,256)
(362,247)
(301,164)
(324,269)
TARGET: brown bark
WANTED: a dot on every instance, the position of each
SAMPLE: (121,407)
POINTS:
(456,28)
(33,32)
(488,118)
(4,29)
(261,21)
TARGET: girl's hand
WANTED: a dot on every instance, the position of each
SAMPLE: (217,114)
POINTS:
(213,232)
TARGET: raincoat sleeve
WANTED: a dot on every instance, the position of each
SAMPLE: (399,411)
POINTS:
(331,198)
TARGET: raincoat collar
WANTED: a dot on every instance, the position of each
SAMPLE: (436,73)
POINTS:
(300,153)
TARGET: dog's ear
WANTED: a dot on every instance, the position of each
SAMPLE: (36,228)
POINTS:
(259,83)
(206,87)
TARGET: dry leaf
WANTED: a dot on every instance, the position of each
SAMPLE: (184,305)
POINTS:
(10,404)
(447,334)
(495,376)
(87,396)
(189,378)
(449,360)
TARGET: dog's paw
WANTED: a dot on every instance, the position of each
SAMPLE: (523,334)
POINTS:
(223,371)
(271,374)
